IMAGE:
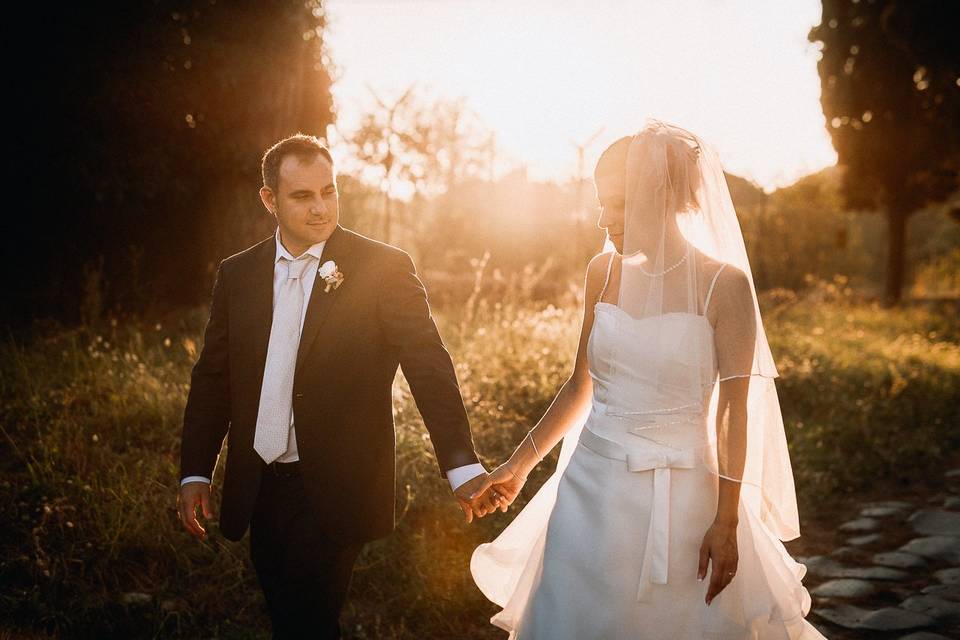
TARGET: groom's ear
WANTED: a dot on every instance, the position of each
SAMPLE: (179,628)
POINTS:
(269,199)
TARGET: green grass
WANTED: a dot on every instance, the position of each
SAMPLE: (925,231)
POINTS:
(90,433)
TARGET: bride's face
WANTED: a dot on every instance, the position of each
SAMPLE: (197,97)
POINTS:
(611,193)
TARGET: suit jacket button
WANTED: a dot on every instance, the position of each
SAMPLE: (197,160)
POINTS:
(299,395)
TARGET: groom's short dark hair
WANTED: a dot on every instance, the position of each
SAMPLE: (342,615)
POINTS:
(305,148)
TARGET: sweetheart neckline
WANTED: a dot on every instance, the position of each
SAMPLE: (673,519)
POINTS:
(629,317)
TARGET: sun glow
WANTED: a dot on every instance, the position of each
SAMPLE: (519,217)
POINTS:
(546,76)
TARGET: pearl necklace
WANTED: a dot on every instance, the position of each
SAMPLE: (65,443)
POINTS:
(665,271)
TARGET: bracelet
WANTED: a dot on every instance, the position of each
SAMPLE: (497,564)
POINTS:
(523,479)
(534,443)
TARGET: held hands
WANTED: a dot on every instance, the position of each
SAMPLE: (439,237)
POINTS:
(720,548)
(473,500)
(503,484)
(192,495)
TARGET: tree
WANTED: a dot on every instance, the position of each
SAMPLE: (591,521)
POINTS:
(141,140)
(421,149)
(891,97)
(380,143)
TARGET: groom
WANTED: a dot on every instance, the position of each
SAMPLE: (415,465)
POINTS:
(306,331)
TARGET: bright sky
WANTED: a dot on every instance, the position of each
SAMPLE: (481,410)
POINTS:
(545,75)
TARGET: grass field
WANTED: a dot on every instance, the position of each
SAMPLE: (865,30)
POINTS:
(91,419)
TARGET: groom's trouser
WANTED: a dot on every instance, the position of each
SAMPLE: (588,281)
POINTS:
(303,574)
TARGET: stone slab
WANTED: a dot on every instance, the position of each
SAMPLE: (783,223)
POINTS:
(844,588)
(896,619)
(934,522)
(844,553)
(865,541)
(860,524)
(829,568)
(946,548)
(883,512)
(899,560)
(890,504)
(937,608)
(948,576)
(945,591)
(886,619)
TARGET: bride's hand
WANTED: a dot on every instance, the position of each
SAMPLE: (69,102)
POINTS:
(720,548)
(505,482)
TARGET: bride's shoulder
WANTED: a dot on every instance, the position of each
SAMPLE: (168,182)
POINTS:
(723,271)
(598,265)
(733,280)
(728,281)
(597,272)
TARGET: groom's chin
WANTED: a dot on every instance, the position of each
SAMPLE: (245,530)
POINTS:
(320,232)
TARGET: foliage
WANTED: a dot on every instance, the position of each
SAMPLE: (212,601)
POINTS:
(142,141)
(866,394)
(891,98)
(420,148)
(802,230)
(90,432)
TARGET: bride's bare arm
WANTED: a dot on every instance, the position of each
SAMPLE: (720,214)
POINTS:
(574,394)
(569,402)
(735,341)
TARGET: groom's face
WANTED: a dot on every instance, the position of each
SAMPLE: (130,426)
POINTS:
(306,203)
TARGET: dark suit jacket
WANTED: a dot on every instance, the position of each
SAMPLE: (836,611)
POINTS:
(353,339)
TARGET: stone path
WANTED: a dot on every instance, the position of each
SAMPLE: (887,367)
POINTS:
(897,576)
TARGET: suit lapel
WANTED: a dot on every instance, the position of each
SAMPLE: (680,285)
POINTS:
(337,249)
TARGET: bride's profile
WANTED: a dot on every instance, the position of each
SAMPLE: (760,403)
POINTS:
(673,490)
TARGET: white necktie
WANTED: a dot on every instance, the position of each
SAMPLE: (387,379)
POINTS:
(276,393)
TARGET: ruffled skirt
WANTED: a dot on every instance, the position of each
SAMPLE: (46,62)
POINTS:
(582,560)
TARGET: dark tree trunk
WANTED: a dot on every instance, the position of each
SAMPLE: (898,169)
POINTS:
(896,247)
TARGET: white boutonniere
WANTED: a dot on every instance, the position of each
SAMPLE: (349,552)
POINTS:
(330,274)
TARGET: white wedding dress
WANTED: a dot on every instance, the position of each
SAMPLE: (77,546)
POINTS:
(608,548)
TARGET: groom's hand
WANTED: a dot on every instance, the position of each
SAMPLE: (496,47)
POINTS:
(193,495)
(480,505)
(504,485)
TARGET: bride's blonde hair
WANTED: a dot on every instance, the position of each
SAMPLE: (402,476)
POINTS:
(680,163)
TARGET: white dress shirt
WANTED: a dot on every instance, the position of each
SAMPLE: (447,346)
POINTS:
(456,476)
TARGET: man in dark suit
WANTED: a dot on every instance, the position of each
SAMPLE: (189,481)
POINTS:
(306,331)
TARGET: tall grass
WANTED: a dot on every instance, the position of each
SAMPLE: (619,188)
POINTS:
(90,433)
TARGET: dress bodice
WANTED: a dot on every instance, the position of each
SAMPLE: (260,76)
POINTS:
(643,389)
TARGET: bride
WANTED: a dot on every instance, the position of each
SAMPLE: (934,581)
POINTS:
(673,490)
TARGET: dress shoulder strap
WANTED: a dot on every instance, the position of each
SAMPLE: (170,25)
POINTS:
(606,280)
(710,290)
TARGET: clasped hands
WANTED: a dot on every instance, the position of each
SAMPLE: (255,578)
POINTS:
(488,492)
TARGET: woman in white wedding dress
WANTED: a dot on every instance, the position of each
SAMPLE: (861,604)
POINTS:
(673,491)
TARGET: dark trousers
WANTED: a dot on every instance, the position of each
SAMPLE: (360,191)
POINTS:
(303,574)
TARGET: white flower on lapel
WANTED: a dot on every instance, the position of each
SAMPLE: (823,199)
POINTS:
(330,274)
